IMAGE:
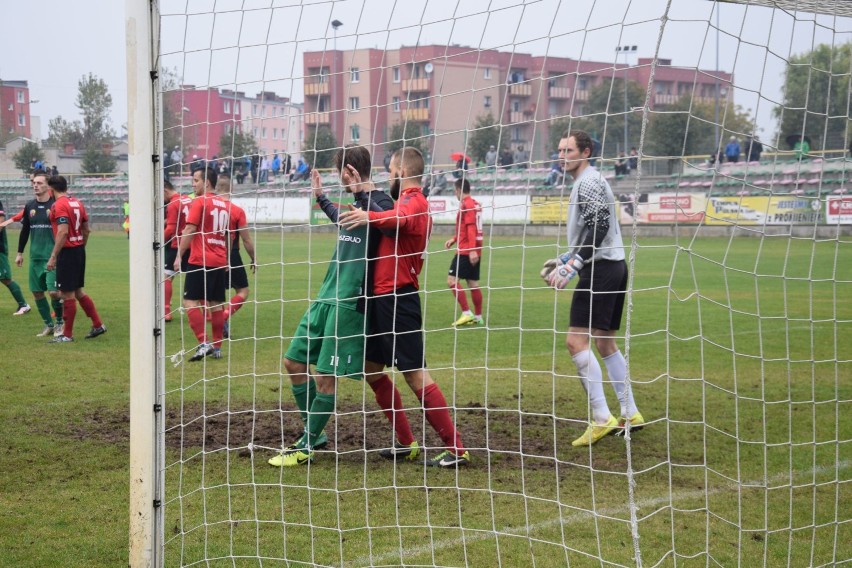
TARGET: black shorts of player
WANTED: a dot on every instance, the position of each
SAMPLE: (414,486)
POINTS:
(238,278)
(598,301)
(462,268)
(396,330)
(205,283)
(169,257)
(71,269)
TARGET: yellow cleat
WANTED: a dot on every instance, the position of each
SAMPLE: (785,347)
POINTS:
(634,423)
(465,319)
(595,432)
(292,458)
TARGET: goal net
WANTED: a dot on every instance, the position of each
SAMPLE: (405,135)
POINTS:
(723,131)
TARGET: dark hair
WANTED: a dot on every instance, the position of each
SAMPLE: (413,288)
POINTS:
(463,185)
(41,173)
(583,140)
(356,156)
(168,185)
(411,160)
(58,183)
(210,175)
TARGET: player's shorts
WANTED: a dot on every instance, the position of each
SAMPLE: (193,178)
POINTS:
(71,269)
(332,339)
(238,275)
(169,257)
(5,268)
(462,268)
(396,330)
(598,300)
(41,279)
(205,283)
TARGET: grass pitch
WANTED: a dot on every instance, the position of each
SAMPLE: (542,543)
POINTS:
(737,351)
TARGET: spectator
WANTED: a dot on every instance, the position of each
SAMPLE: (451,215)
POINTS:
(302,172)
(633,160)
(491,158)
(214,163)
(802,148)
(386,162)
(754,149)
(521,158)
(286,164)
(732,150)
(621,166)
(177,158)
(196,164)
(264,170)
(276,165)
(506,157)
(254,167)
(461,167)
(556,175)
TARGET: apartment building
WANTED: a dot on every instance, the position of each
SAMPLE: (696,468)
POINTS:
(15,109)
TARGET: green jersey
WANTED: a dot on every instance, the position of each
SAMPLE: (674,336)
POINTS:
(344,281)
(4,244)
(36,227)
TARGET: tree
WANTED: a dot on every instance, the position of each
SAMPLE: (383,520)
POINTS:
(320,147)
(94,103)
(61,132)
(486,133)
(25,156)
(97,161)
(604,115)
(172,109)
(816,96)
(407,134)
(237,144)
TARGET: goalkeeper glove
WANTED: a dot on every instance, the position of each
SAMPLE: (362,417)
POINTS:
(565,271)
(550,265)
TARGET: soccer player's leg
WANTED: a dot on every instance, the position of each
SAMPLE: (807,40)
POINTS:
(38,286)
(68,279)
(215,283)
(55,301)
(85,301)
(471,276)
(458,292)
(14,288)
(193,295)
(238,282)
(169,270)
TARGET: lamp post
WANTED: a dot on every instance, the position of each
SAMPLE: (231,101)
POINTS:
(626,50)
(716,142)
(334,25)
(194,127)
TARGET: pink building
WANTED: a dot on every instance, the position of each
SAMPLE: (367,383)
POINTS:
(204,116)
(275,122)
(15,108)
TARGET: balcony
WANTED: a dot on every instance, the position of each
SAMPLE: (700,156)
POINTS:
(315,118)
(520,116)
(520,89)
(415,85)
(581,95)
(316,89)
(560,92)
(416,115)
(665,99)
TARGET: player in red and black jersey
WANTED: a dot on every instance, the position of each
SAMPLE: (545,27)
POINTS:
(70,233)
(394,312)
(206,238)
(176,210)
(466,263)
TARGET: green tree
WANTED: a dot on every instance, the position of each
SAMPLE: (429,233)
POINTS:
(94,103)
(604,116)
(486,133)
(557,127)
(320,147)
(97,161)
(407,134)
(171,107)
(816,96)
(237,144)
(61,132)
(24,157)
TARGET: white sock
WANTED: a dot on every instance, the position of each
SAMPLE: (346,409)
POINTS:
(616,368)
(592,378)
(467,313)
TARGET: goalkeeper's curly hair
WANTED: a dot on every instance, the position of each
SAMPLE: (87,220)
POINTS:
(583,140)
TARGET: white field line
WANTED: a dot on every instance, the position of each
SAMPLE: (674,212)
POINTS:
(413,551)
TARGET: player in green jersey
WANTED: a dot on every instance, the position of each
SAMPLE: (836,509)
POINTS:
(6,270)
(36,229)
(330,335)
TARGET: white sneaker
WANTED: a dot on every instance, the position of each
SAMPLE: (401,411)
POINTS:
(46,332)
(25,309)
(58,329)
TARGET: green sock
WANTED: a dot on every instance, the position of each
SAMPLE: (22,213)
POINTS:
(57,308)
(43,307)
(16,293)
(304,395)
(319,415)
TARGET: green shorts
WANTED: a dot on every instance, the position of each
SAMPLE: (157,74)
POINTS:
(330,338)
(41,279)
(5,268)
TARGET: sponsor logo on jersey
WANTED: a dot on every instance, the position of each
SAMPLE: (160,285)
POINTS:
(32,212)
(350,239)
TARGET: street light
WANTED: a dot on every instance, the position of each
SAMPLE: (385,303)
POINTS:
(334,25)
(626,50)
(194,127)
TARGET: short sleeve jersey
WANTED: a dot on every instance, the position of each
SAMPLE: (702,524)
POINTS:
(469,226)
(36,216)
(238,221)
(176,212)
(69,211)
(210,216)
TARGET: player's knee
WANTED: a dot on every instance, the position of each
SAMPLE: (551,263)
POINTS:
(5,282)
(294,367)
(325,384)
(451,282)
(576,343)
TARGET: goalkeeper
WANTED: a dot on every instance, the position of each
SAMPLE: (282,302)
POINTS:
(596,258)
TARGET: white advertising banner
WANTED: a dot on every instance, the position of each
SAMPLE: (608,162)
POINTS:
(838,210)
(498,209)
(276,210)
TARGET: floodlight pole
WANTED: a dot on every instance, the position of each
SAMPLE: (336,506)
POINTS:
(334,25)
(625,50)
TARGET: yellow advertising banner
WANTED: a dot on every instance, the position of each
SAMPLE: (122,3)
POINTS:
(752,210)
(548,210)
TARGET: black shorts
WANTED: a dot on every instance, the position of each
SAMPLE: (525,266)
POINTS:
(169,260)
(205,283)
(598,301)
(71,269)
(238,277)
(396,330)
(461,267)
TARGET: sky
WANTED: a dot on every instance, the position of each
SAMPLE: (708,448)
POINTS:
(254,44)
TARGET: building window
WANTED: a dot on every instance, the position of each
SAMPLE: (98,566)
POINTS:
(254,132)
(486,102)
(396,75)
(275,134)
(354,103)
(254,110)
(582,84)
(486,73)
(354,75)
(516,133)
(516,106)
(396,104)
(263,132)
(355,132)
(323,75)
(262,111)
(22,119)
(227,107)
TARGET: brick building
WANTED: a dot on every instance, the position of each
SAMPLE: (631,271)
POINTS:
(15,109)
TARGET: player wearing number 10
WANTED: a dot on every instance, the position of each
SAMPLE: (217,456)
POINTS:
(206,238)
(70,233)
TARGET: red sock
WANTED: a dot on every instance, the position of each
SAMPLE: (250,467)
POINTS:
(89,307)
(196,323)
(69,310)
(476,296)
(390,401)
(168,287)
(236,303)
(461,297)
(218,327)
(438,416)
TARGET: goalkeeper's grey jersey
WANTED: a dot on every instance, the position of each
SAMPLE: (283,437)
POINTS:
(592,206)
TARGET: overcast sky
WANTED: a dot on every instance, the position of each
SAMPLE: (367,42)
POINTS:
(253,44)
